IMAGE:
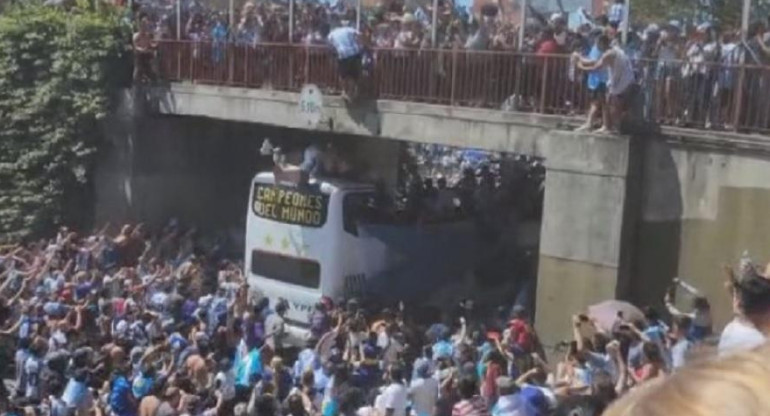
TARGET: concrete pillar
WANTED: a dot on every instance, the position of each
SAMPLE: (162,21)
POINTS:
(582,246)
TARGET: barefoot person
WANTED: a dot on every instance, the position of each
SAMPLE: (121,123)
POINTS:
(597,87)
(620,76)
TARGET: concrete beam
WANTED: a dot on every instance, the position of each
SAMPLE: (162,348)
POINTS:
(418,122)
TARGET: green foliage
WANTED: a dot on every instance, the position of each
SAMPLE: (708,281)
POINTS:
(661,10)
(726,12)
(58,69)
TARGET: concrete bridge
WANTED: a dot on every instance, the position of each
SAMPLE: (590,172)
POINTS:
(622,215)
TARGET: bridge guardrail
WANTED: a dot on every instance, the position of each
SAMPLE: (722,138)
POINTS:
(676,93)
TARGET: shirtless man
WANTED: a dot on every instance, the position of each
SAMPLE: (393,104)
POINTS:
(144,51)
(620,79)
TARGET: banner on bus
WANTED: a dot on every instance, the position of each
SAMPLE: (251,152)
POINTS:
(299,206)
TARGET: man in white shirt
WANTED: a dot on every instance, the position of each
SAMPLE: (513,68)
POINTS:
(424,391)
(751,304)
(393,400)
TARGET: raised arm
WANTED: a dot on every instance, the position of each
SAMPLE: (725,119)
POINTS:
(251,408)
(526,376)
(78,318)
(762,45)
(463,331)
(18,294)
(576,334)
(324,338)
(152,352)
(45,269)
(507,354)
(68,269)
(589,65)
(673,310)
(15,327)
(613,349)
(639,333)
(6,282)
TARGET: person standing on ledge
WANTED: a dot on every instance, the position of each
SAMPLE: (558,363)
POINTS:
(620,79)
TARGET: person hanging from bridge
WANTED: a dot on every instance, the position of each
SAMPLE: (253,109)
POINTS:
(347,43)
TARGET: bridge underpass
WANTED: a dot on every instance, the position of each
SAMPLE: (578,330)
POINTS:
(622,216)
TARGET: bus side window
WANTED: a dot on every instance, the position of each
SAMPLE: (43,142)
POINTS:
(354,209)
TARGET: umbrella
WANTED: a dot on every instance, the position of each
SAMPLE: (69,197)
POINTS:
(606,313)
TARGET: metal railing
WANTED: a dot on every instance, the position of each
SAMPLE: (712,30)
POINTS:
(676,93)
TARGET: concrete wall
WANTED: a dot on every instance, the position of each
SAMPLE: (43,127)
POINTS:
(703,204)
(581,249)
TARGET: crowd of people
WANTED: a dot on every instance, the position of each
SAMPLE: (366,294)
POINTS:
(687,71)
(446,183)
(151,324)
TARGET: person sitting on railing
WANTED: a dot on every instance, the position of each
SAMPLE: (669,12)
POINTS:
(347,43)
(620,80)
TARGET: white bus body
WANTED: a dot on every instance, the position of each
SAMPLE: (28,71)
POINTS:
(307,241)
(297,248)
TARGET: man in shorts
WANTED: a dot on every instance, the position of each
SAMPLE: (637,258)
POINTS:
(621,80)
(597,87)
(346,41)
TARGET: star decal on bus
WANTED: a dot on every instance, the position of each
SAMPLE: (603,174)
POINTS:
(285,243)
(269,240)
